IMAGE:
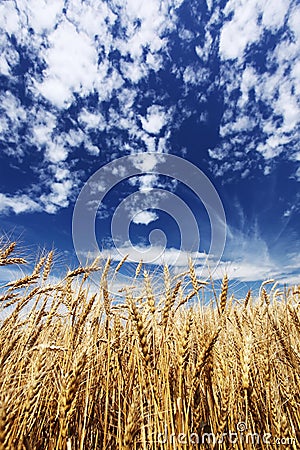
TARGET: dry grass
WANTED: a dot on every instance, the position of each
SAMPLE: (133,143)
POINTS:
(79,372)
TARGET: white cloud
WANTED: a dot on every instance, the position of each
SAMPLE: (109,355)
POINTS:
(162,146)
(147,162)
(152,17)
(294,19)
(58,197)
(296,77)
(13,108)
(94,18)
(9,274)
(248,82)
(154,61)
(195,76)
(74,138)
(243,27)
(61,173)
(54,90)
(92,149)
(241,30)
(242,260)
(204,51)
(70,47)
(45,123)
(145,182)
(287,106)
(154,254)
(14,116)
(274,15)
(290,280)
(60,192)
(18,204)
(9,17)
(42,15)
(71,65)
(74,47)
(186,35)
(209,4)
(150,142)
(126,98)
(92,120)
(145,217)
(242,123)
(251,269)
(133,71)
(108,81)
(9,57)
(4,127)
(273,90)
(220,152)
(155,120)
(272,147)
(246,271)
(56,151)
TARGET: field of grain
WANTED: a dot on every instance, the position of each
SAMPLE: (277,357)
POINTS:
(78,371)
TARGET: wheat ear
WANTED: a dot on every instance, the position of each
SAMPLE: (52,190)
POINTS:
(223,296)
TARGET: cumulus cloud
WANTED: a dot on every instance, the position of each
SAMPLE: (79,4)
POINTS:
(18,204)
(13,116)
(155,119)
(71,65)
(74,52)
(195,76)
(92,120)
(56,151)
(58,197)
(44,125)
(144,217)
(43,14)
(261,103)
(147,162)
(243,28)
(9,57)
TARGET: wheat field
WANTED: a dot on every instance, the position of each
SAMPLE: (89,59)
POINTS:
(81,371)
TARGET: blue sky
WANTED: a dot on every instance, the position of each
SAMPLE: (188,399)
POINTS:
(214,82)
